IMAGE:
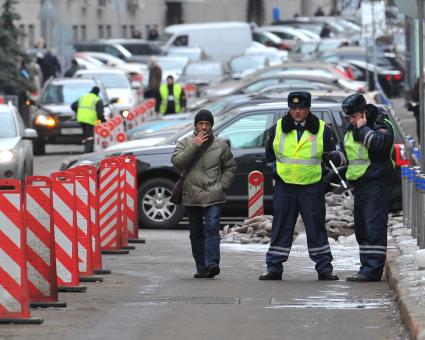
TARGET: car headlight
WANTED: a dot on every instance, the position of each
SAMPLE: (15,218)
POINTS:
(6,156)
(45,121)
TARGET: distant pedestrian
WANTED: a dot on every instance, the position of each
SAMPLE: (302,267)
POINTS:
(89,109)
(153,33)
(173,97)
(319,12)
(326,31)
(136,34)
(50,66)
(298,146)
(154,83)
(211,169)
(72,69)
(368,144)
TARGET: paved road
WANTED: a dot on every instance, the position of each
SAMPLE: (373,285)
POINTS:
(151,295)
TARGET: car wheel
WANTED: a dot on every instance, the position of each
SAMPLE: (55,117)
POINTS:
(155,208)
(39,147)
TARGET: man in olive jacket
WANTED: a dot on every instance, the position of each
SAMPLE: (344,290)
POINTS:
(203,190)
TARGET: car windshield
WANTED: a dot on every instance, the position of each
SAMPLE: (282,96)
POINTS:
(247,62)
(66,93)
(109,80)
(142,48)
(203,69)
(7,125)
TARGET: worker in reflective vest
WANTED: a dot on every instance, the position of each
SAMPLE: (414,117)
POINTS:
(173,98)
(295,148)
(368,145)
(89,108)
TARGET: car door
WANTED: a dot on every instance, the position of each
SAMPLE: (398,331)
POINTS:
(247,136)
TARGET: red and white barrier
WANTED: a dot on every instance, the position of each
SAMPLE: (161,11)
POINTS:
(14,297)
(255,194)
(109,207)
(40,252)
(65,224)
(122,194)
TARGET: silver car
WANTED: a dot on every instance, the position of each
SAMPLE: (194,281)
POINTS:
(16,155)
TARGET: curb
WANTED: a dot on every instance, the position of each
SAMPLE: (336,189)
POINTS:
(412,314)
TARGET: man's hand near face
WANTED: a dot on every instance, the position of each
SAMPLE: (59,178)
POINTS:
(200,138)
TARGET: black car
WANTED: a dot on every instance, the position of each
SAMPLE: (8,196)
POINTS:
(52,116)
(245,128)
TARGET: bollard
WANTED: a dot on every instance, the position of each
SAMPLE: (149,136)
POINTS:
(409,193)
(404,169)
(14,297)
(421,242)
(417,205)
(255,194)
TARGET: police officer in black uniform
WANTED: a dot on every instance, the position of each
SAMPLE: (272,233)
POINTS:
(296,146)
(368,145)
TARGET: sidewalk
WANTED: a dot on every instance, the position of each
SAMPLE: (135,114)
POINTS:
(151,294)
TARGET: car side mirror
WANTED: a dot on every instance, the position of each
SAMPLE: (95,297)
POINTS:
(30,134)
(114,100)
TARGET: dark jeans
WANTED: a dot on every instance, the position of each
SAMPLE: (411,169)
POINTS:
(205,237)
(88,131)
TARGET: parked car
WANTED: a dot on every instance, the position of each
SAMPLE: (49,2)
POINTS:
(52,116)
(192,53)
(16,152)
(117,85)
(172,66)
(137,50)
(245,128)
(290,36)
(243,65)
(269,39)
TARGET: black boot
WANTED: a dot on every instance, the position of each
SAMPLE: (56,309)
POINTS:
(328,276)
(359,277)
(270,276)
(200,275)
(212,270)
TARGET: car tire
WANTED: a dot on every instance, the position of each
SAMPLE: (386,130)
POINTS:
(39,147)
(155,210)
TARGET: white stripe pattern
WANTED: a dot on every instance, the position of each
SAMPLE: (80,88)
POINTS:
(109,238)
(37,246)
(11,231)
(8,301)
(38,280)
(63,273)
(63,241)
(108,227)
(379,252)
(108,215)
(367,138)
(319,248)
(35,209)
(281,253)
(280,248)
(63,209)
(104,182)
(14,199)
(372,247)
(10,266)
(107,192)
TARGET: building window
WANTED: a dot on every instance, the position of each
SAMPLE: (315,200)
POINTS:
(102,3)
(100,32)
(124,31)
(83,30)
(22,35)
(108,31)
(75,32)
(31,35)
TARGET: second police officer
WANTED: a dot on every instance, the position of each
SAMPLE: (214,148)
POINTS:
(297,145)
(368,145)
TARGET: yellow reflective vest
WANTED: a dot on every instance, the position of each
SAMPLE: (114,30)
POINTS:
(357,155)
(163,91)
(86,112)
(299,162)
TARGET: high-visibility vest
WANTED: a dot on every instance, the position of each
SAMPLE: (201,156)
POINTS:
(357,155)
(86,112)
(163,91)
(299,162)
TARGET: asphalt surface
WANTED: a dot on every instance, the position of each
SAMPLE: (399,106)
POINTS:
(151,293)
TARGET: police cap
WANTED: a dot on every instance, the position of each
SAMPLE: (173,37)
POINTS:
(354,103)
(299,99)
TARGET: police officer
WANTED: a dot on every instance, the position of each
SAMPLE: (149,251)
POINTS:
(173,98)
(296,146)
(368,145)
(89,108)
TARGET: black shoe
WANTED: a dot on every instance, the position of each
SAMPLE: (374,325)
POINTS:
(212,270)
(270,276)
(328,276)
(359,277)
(200,275)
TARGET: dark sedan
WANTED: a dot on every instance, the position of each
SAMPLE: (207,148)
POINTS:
(245,128)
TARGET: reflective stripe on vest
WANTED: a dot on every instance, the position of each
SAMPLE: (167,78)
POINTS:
(86,112)
(299,162)
(163,91)
(358,155)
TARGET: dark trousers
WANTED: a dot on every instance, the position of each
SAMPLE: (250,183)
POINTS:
(88,131)
(205,237)
(371,207)
(288,202)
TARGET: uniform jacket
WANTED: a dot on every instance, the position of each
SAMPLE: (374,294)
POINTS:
(212,174)
(378,137)
(312,125)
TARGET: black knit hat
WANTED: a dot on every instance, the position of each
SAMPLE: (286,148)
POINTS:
(204,115)
(354,103)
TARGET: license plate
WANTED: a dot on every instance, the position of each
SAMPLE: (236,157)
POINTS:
(72,131)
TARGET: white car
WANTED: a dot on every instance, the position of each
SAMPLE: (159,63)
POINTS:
(117,85)
(290,36)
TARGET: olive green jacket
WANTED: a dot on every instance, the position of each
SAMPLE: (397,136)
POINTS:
(212,174)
